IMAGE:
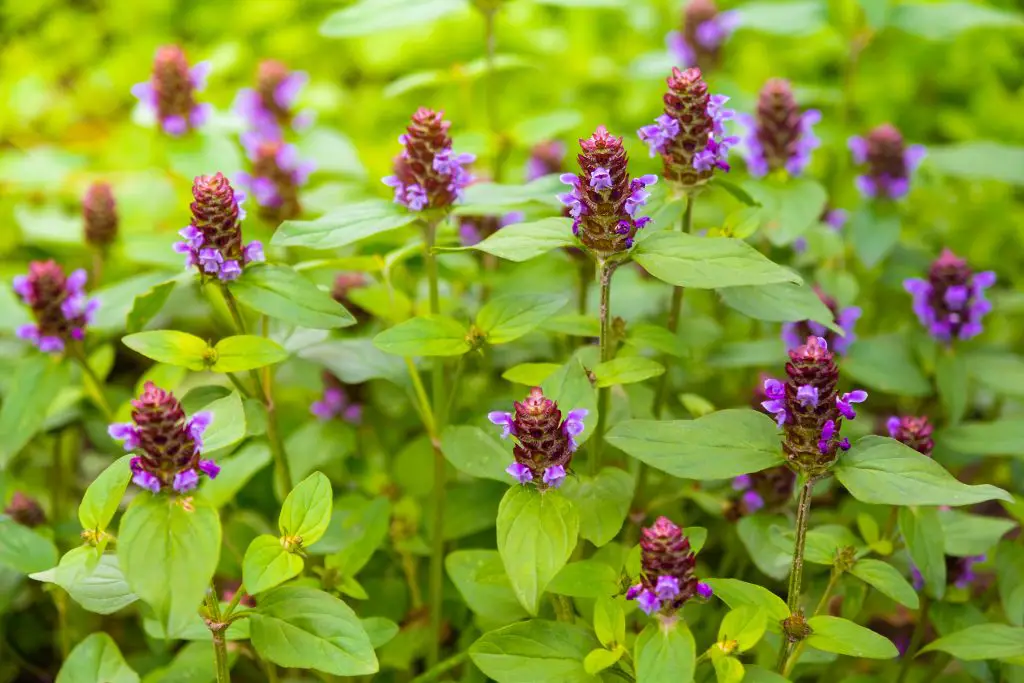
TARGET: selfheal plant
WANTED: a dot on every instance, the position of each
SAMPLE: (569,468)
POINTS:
(277,174)
(99,214)
(168,443)
(170,92)
(335,403)
(890,162)
(428,174)
(794,334)
(213,240)
(545,158)
(704,31)
(544,442)
(59,305)
(268,108)
(951,302)
(25,510)
(667,579)
(780,136)
(768,489)
(914,431)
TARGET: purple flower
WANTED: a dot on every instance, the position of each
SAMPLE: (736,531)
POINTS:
(667,587)
(185,481)
(554,476)
(427,162)
(543,442)
(209,468)
(277,174)
(912,431)
(573,426)
(752,501)
(917,577)
(170,93)
(648,602)
(704,590)
(197,426)
(741,483)
(780,136)
(957,315)
(776,403)
(545,158)
(704,31)
(124,431)
(59,305)
(889,160)
(146,480)
(807,395)
(213,241)
(634,591)
(658,134)
(844,402)
(520,472)
(268,108)
(505,420)
(335,404)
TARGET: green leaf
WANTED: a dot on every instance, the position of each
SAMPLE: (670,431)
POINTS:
(168,551)
(922,531)
(979,160)
(536,535)
(472,451)
(530,374)
(946,20)
(707,262)
(368,17)
(648,336)
(984,641)
(435,335)
(610,621)
(537,129)
(602,501)
(96,659)
(1002,373)
(491,199)
(736,594)
(875,232)
(267,564)
(345,226)
(727,669)
(599,659)
(785,302)
(735,190)
(746,625)
(194,663)
(789,208)
(756,534)
(586,579)
(535,651)
(380,630)
(171,347)
(304,628)
(32,390)
(524,241)
(627,370)
(24,550)
(571,388)
(886,472)
(1009,560)
(481,580)
(235,473)
(280,292)
(951,381)
(885,363)
(833,634)
(228,425)
(246,352)
(358,528)
(717,446)
(790,18)
(1001,437)
(306,511)
(102,498)
(968,535)
(665,653)
(355,361)
(510,316)
(92,579)
(884,577)
(148,305)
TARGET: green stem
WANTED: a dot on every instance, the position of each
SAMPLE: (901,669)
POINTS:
(426,412)
(57,480)
(435,672)
(605,271)
(235,599)
(586,275)
(915,639)
(563,608)
(796,571)
(217,627)
(822,604)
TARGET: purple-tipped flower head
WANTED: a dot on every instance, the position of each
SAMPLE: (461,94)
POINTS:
(99,212)
(59,305)
(428,174)
(277,175)
(705,29)
(890,162)
(781,136)
(912,431)
(667,564)
(268,109)
(604,201)
(168,444)
(545,158)
(25,510)
(170,92)
(544,442)
(335,403)
(690,135)
(213,241)
(951,302)
(769,489)
(794,334)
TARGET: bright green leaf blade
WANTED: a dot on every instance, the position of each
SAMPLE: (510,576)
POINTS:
(921,529)
(665,653)
(348,225)
(885,363)
(586,579)
(627,370)
(1009,560)
(282,293)
(727,669)
(535,651)
(610,620)
(600,659)
(524,241)
(887,580)
(97,658)
(946,20)
(736,594)
(235,473)
(834,634)
(570,387)
(756,532)
(435,335)
(968,535)
(369,17)
(788,208)
(228,424)
(480,577)
(984,641)
(602,501)
(530,374)
(785,302)
(510,316)
(999,437)
(306,511)
(37,381)
(472,451)
(745,625)
(92,580)
(267,564)
(102,498)
(707,262)
(24,550)
(171,347)
(246,352)
(148,305)
(951,379)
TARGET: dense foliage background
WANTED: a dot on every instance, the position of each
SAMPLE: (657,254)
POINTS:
(948,75)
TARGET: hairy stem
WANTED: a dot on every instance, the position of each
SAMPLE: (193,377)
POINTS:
(915,639)
(796,572)
(605,270)
(217,627)
(793,658)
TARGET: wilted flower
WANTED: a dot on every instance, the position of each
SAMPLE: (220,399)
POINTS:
(475,229)
(268,108)
(667,564)
(59,305)
(335,403)
(277,175)
(99,212)
(167,442)
(951,302)
(428,174)
(768,489)
(213,241)
(25,510)
(793,334)
(604,200)
(781,136)
(890,162)
(912,431)
(545,158)
(704,31)
(170,92)
(690,135)
(544,442)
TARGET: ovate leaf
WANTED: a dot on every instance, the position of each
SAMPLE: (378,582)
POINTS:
(246,352)
(280,292)
(345,226)
(535,651)
(428,336)
(524,241)
(102,498)
(306,511)
(665,653)
(707,262)
(884,577)
(37,381)
(96,659)
(171,347)
(984,641)
(833,634)
(510,316)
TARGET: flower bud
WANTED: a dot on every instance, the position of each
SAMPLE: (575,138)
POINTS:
(889,162)
(213,241)
(769,489)
(59,305)
(335,403)
(25,510)
(796,628)
(704,31)
(912,431)
(268,108)
(428,174)
(667,563)
(545,158)
(544,442)
(99,212)
(951,302)
(277,175)
(170,92)
(794,333)
(781,136)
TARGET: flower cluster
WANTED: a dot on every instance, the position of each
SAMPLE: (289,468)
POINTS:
(170,92)
(99,214)
(912,431)
(267,108)
(768,489)
(889,162)
(428,174)
(25,510)
(690,135)
(277,174)
(544,442)
(667,579)
(795,333)
(545,158)
(959,572)
(168,443)
(59,305)
(604,200)
(474,229)
(951,302)
(781,136)
(213,241)
(705,29)
(809,407)
(335,403)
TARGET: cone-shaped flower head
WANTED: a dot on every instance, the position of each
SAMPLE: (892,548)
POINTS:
(667,562)
(170,92)
(810,409)
(913,431)
(951,302)
(99,212)
(768,489)
(59,305)
(780,136)
(545,158)
(428,174)
(794,334)
(705,29)
(335,403)
(168,444)
(25,510)
(690,135)
(213,241)
(604,201)
(269,108)
(890,162)
(277,174)
(544,442)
